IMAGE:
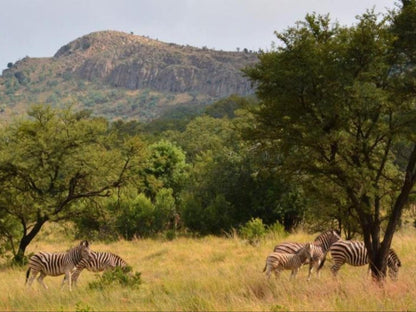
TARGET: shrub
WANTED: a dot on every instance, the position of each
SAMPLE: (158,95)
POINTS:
(117,277)
(136,218)
(277,230)
(253,231)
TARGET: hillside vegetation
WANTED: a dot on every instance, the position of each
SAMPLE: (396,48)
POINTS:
(212,274)
(119,75)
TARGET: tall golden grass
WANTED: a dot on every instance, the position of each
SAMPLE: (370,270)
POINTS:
(213,274)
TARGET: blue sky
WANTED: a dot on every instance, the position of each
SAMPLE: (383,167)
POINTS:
(38,28)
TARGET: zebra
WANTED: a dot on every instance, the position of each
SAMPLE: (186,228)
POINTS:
(55,264)
(320,247)
(278,262)
(98,262)
(355,253)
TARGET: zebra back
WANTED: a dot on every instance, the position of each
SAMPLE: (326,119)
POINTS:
(325,239)
(289,247)
(100,261)
(351,252)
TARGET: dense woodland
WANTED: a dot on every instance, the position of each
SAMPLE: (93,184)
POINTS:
(327,142)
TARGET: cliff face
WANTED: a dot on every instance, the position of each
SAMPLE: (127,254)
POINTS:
(119,75)
(134,62)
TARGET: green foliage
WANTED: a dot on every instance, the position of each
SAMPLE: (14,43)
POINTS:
(227,183)
(227,107)
(117,277)
(131,215)
(212,217)
(51,162)
(136,217)
(165,209)
(253,230)
(277,229)
(79,307)
(165,168)
(338,106)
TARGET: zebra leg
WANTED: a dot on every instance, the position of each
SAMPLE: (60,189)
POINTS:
(294,272)
(70,281)
(318,269)
(335,268)
(74,277)
(40,280)
(317,265)
(277,271)
(31,278)
(268,270)
(310,269)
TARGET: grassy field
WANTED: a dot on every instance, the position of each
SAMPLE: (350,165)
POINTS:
(213,274)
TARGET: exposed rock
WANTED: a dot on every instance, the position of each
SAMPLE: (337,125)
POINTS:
(120,75)
(135,62)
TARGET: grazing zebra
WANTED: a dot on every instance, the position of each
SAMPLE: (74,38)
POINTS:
(355,253)
(98,262)
(320,247)
(278,262)
(55,264)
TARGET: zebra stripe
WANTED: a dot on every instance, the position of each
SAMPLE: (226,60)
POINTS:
(98,262)
(55,264)
(277,262)
(320,247)
(355,253)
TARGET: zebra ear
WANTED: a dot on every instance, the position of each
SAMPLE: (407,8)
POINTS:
(85,243)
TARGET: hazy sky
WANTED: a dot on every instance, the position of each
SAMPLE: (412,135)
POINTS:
(38,28)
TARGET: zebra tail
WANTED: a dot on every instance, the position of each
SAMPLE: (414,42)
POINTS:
(27,275)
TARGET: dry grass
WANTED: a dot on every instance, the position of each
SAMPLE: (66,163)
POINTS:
(214,274)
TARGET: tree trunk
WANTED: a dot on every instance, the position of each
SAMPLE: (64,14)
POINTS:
(378,255)
(19,258)
(378,265)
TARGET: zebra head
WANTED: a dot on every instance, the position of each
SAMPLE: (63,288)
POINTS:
(84,250)
(305,253)
(393,264)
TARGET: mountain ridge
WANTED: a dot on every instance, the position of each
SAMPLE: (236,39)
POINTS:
(115,62)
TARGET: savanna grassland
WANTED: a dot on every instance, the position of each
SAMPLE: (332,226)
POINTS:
(213,274)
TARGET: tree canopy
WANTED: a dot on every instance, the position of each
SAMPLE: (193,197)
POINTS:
(337,109)
(52,161)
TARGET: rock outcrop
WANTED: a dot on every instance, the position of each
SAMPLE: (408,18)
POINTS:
(135,62)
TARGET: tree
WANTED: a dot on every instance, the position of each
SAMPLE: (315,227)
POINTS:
(165,168)
(337,104)
(53,160)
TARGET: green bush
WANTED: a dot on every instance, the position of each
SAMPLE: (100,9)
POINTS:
(137,218)
(277,230)
(117,277)
(211,216)
(253,230)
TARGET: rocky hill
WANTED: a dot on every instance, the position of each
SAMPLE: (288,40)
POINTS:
(119,75)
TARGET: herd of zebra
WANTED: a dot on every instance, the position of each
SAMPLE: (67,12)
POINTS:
(285,256)
(70,263)
(291,256)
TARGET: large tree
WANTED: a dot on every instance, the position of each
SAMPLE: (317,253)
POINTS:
(49,162)
(338,106)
